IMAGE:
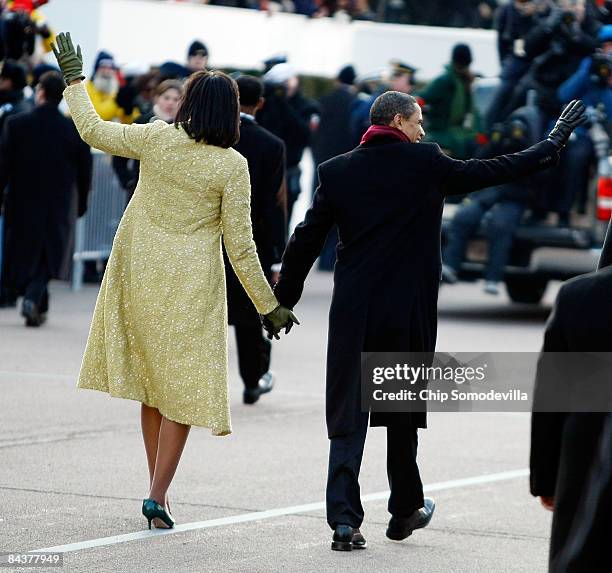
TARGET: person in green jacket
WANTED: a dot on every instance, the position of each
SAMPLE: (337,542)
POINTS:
(452,118)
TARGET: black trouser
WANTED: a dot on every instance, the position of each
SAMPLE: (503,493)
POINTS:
(36,285)
(345,453)
(253,353)
(8,291)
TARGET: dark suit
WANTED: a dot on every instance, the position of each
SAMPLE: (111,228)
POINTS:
(42,158)
(563,445)
(386,199)
(265,154)
(588,546)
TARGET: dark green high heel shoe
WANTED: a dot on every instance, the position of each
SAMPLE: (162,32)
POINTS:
(151,509)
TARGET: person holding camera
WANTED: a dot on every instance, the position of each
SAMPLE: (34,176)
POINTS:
(20,24)
(592,83)
(556,46)
(513,22)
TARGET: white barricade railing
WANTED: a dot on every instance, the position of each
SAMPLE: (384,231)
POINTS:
(96,230)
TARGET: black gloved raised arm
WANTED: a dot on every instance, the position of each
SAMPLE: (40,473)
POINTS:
(571,117)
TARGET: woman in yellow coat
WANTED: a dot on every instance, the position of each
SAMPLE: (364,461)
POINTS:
(159,329)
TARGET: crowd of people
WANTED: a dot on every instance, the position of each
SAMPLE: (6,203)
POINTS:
(456,13)
(561,50)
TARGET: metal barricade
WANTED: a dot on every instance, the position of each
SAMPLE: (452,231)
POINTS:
(96,230)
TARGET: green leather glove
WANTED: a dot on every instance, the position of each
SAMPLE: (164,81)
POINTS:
(69,60)
(281,317)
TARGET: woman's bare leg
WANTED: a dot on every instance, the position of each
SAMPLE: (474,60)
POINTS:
(150,422)
(172,438)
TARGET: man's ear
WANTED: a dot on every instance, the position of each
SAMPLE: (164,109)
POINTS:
(260,103)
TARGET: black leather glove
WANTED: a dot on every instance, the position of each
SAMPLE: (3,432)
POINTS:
(571,117)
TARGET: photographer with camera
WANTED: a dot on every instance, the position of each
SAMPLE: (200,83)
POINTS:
(556,46)
(591,83)
(513,22)
(20,24)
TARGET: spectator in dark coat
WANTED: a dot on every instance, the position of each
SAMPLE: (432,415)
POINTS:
(287,115)
(589,545)
(42,157)
(564,444)
(12,98)
(265,154)
(12,101)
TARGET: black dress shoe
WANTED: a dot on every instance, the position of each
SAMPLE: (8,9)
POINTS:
(342,539)
(358,540)
(402,527)
(30,311)
(265,384)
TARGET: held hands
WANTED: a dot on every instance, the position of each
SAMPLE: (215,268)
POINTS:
(571,117)
(69,60)
(279,318)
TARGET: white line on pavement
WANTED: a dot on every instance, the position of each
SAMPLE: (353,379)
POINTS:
(269,514)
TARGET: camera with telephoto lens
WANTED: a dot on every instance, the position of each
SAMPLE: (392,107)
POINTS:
(18,30)
(601,68)
(568,17)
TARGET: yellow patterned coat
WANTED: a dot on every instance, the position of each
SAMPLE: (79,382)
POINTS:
(159,329)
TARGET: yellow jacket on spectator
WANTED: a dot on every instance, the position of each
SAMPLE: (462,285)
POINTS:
(106,105)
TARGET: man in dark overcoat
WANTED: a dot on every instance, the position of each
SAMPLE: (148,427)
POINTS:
(386,196)
(13,80)
(265,154)
(42,157)
(588,548)
(564,444)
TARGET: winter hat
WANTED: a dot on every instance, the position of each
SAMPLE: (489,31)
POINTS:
(462,55)
(103,59)
(197,48)
(347,75)
(279,74)
(173,71)
(12,70)
(605,34)
(39,70)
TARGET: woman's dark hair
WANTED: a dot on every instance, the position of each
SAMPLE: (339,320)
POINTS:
(209,110)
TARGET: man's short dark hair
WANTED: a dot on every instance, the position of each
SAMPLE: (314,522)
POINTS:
(251,89)
(386,106)
(209,110)
(53,86)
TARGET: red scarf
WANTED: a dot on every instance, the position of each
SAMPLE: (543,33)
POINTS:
(383,131)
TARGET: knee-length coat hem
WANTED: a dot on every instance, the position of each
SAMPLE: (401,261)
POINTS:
(203,423)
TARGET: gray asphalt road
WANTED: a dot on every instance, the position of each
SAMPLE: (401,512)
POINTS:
(73,471)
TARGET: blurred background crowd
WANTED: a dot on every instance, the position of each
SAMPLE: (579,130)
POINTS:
(550,52)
